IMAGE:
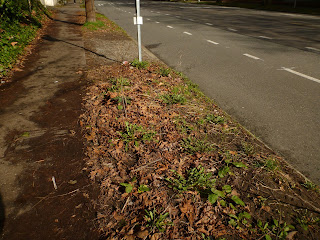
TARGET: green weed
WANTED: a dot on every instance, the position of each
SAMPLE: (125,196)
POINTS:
(239,220)
(306,221)
(280,229)
(135,133)
(211,118)
(247,148)
(140,65)
(183,125)
(164,72)
(310,186)
(118,84)
(157,221)
(269,164)
(172,98)
(226,169)
(196,180)
(194,145)
(276,230)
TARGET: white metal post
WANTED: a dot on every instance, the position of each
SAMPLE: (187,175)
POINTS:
(139,23)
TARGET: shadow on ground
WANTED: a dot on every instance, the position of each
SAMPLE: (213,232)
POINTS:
(52,39)
(2,215)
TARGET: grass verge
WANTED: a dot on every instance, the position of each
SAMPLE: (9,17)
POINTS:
(18,28)
(172,169)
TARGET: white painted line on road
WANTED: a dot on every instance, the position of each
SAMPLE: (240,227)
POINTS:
(148,19)
(212,42)
(167,14)
(191,20)
(187,33)
(232,29)
(169,26)
(265,37)
(129,12)
(301,74)
(177,16)
(152,11)
(158,12)
(157,22)
(210,24)
(314,49)
(250,56)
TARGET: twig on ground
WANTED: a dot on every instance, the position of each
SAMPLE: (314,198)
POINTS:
(143,166)
(125,205)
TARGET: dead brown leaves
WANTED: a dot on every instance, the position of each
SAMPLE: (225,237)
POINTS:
(117,124)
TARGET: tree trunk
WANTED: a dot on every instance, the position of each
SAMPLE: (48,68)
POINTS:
(90,13)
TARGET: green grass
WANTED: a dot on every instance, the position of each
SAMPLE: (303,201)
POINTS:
(17,30)
(94,25)
(140,65)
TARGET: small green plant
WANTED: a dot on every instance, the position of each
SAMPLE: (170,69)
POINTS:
(305,220)
(128,187)
(135,133)
(196,180)
(164,72)
(194,145)
(239,220)
(310,186)
(182,125)
(276,230)
(173,98)
(211,118)
(157,221)
(226,170)
(118,84)
(280,229)
(140,65)
(269,164)
(247,148)
(143,188)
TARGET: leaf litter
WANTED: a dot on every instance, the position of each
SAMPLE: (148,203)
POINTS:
(172,165)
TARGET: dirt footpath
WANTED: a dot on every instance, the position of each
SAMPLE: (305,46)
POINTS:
(40,138)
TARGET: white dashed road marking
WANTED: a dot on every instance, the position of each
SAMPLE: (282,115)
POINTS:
(187,33)
(169,26)
(157,22)
(265,37)
(210,24)
(212,42)
(250,56)
(301,74)
(314,49)
(232,29)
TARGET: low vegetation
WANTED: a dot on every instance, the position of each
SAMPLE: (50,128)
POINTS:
(172,165)
(19,23)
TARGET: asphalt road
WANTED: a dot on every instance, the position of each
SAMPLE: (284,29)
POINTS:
(263,68)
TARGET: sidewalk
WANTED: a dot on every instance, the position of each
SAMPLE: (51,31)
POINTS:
(40,138)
